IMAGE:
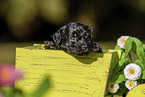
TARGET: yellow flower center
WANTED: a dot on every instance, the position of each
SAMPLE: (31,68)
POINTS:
(123,40)
(132,71)
(130,84)
(5,74)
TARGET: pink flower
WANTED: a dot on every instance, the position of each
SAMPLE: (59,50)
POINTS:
(8,74)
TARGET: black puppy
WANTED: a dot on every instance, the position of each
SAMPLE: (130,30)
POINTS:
(75,38)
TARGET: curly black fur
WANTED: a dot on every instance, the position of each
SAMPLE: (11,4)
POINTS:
(74,38)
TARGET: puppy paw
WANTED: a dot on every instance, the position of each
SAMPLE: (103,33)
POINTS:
(96,47)
(50,45)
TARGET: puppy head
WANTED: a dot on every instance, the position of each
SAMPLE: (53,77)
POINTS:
(76,38)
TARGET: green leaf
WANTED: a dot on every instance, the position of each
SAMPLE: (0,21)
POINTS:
(137,41)
(18,93)
(120,63)
(138,49)
(7,92)
(116,68)
(122,60)
(142,55)
(123,56)
(128,45)
(136,45)
(143,74)
(144,46)
(117,47)
(118,78)
(43,88)
(138,62)
(11,92)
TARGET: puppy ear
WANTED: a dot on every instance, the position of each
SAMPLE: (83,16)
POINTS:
(57,37)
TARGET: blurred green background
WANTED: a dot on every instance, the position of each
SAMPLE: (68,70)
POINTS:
(24,22)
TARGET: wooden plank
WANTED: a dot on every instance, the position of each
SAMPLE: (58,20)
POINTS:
(71,76)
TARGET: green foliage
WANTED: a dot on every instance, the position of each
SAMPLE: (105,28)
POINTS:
(128,45)
(122,60)
(138,62)
(43,87)
(138,49)
(11,92)
(117,48)
(143,76)
(118,78)
(121,63)
(132,45)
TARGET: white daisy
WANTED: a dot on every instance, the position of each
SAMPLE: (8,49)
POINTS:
(121,41)
(112,87)
(132,71)
(130,84)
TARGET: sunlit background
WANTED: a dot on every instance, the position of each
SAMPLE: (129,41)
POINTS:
(24,22)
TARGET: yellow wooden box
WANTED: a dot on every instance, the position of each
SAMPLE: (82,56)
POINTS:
(71,76)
